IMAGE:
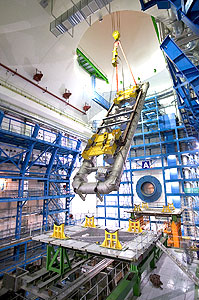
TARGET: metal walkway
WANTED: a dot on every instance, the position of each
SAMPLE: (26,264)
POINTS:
(178,263)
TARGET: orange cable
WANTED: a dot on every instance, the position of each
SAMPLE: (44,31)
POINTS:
(127,62)
(117,78)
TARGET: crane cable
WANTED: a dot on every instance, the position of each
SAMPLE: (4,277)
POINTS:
(122,71)
(127,62)
(115,19)
(116,26)
(117,81)
(118,20)
(111,86)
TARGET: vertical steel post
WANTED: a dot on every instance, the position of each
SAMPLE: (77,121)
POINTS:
(136,286)
(47,182)
(69,172)
(21,182)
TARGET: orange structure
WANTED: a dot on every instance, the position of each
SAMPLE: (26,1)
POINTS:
(173,230)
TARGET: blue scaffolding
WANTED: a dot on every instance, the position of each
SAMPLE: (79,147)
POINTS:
(39,164)
(160,142)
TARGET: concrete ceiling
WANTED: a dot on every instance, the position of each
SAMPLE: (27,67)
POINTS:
(26,44)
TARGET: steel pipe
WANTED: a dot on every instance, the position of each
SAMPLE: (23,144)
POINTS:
(41,88)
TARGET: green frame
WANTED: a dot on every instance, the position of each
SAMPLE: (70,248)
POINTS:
(54,264)
(96,72)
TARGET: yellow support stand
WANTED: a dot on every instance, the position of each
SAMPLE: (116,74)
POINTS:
(145,205)
(89,222)
(171,206)
(134,226)
(166,208)
(58,232)
(111,240)
(137,207)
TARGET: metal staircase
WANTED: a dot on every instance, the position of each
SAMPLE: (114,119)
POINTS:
(178,263)
(94,72)
(89,66)
(185,67)
(185,76)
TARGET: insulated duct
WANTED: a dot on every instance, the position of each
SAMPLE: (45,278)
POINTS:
(76,14)
(80,183)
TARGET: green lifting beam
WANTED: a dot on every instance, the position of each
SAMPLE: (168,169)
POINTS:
(133,279)
(123,288)
(88,66)
(137,275)
(57,260)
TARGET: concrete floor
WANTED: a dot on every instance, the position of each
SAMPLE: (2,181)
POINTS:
(176,285)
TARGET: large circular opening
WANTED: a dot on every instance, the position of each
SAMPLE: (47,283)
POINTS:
(148,188)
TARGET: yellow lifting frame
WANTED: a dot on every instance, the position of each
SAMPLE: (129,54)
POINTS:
(89,222)
(58,232)
(102,144)
(134,226)
(126,94)
(166,208)
(111,240)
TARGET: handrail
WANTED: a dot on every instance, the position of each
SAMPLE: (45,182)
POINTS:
(27,95)
(16,126)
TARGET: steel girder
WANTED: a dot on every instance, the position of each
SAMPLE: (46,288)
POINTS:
(47,184)
(24,165)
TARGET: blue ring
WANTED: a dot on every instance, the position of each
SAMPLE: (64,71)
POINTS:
(157,189)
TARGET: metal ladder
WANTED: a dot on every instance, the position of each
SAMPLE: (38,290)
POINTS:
(178,263)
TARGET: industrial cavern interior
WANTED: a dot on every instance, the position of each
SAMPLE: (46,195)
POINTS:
(99,149)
